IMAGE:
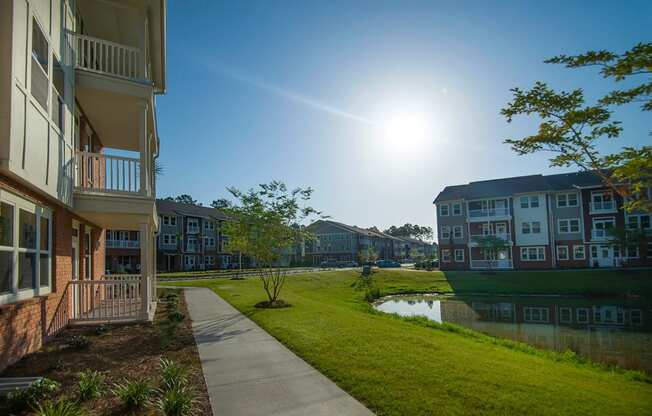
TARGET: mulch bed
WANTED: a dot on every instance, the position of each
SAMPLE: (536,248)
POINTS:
(118,351)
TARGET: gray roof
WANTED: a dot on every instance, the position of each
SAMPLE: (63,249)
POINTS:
(519,184)
(355,229)
(166,207)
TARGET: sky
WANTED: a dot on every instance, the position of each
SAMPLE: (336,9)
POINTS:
(377,105)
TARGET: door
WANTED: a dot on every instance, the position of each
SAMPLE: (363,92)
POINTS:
(602,255)
(75,270)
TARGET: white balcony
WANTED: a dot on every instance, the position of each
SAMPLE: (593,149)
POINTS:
(599,234)
(110,58)
(502,236)
(493,264)
(485,214)
(122,244)
(101,173)
(601,207)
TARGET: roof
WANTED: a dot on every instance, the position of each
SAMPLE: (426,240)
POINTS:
(355,229)
(167,207)
(517,185)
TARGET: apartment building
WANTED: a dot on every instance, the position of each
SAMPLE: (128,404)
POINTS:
(78,140)
(547,222)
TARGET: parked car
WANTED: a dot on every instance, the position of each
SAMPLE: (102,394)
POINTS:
(329,263)
(387,263)
(348,263)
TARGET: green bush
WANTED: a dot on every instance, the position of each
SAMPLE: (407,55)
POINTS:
(21,399)
(91,385)
(63,407)
(178,401)
(372,294)
(173,375)
(79,342)
(176,316)
(134,393)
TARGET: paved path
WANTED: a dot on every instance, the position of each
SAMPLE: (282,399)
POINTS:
(248,372)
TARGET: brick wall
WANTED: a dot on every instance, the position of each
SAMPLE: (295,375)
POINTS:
(26,324)
(452,264)
(571,263)
(520,264)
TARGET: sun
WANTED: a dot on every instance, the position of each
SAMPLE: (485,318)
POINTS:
(405,129)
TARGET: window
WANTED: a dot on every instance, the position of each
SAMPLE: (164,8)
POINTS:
(166,220)
(565,315)
(193,225)
(578,253)
(525,228)
(525,202)
(534,201)
(443,210)
(641,221)
(536,314)
(445,232)
(566,200)
(457,208)
(446,255)
(501,228)
(636,317)
(602,201)
(173,221)
(562,252)
(457,231)
(582,315)
(166,239)
(459,255)
(25,248)
(211,242)
(569,226)
(40,64)
(530,201)
(632,252)
(601,227)
(536,227)
(533,254)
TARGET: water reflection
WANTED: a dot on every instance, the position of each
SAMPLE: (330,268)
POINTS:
(612,332)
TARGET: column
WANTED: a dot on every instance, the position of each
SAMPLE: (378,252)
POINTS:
(144,152)
(145,258)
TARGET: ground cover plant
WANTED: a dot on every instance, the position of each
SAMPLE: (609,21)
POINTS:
(398,366)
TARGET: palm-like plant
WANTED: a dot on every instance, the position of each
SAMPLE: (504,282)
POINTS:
(491,245)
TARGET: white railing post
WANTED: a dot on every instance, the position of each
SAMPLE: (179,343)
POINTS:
(145,244)
(111,58)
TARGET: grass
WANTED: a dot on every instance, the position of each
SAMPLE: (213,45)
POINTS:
(410,367)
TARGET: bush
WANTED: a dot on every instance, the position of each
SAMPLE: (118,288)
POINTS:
(372,294)
(79,342)
(178,401)
(173,375)
(176,316)
(91,385)
(62,407)
(22,399)
(133,394)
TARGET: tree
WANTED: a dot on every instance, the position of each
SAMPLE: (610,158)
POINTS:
(571,129)
(264,226)
(490,245)
(221,203)
(368,255)
(411,231)
(624,238)
(416,255)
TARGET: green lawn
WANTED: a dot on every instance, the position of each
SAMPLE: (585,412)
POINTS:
(399,367)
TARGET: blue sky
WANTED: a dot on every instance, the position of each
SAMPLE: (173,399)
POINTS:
(303,91)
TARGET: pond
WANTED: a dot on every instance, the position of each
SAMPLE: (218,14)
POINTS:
(613,332)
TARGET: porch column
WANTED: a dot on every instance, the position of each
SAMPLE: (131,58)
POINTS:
(145,259)
(144,152)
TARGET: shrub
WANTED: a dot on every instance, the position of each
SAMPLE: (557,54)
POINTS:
(173,375)
(79,342)
(178,401)
(372,294)
(24,398)
(176,316)
(61,407)
(135,393)
(91,385)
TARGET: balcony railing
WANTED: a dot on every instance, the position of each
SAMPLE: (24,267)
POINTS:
(122,244)
(489,212)
(502,236)
(495,264)
(599,234)
(603,206)
(98,172)
(109,58)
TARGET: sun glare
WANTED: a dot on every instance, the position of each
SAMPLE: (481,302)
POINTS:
(405,129)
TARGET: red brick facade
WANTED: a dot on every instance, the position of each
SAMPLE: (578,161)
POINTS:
(26,324)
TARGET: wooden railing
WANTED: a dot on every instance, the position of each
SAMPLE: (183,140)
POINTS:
(110,58)
(118,299)
(99,172)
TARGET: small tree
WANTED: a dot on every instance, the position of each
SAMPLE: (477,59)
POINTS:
(264,226)
(490,245)
(368,255)
(624,238)
(416,255)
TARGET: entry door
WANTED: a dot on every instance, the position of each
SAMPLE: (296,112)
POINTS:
(604,255)
(75,269)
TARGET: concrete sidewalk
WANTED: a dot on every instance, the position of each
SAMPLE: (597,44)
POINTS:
(248,372)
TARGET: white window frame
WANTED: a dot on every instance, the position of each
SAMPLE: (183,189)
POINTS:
(567,223)
(166,220)
(566,198)
(211,242)
(602,195)
(524,202)
(193,225)
(638,252)
(586,316)
(575,247)
(456,208)
(534,198)
(17,203)
(441,210)
(559,257)
(602,220)
(445,255)
(537,228)
(639,221)
(570,315)
(526,226)
(457,228)
(539,250)
(458,251)
(542,312)
(445,232)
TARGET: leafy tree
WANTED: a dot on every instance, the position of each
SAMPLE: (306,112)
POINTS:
(411,231)
(183,198)
(624,238)
(221,203)
(571,129)
(490,245)
(416,255)
(264,227)
(368,255)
